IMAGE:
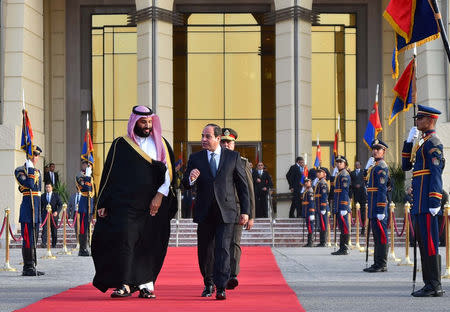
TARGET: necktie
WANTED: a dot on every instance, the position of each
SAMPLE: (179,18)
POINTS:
(53,177)
(48,197)
(212,164)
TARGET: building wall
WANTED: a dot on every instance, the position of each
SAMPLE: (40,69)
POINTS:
(24,66)
(55,84)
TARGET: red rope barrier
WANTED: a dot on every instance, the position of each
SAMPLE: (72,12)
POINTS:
(396,228)
(440,231)
(3,226)
(45,221)
(12,235)
(54,223)
(73,222)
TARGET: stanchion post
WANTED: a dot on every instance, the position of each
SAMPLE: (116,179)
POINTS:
(328,230)
(177,222)
(349,218)
(64,218)
(391,255)
(7,266)
(49,216)
(407,260)
(447,241)
(357,220)
(77,247)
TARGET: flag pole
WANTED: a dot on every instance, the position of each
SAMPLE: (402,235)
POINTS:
(415,77)
(438,17)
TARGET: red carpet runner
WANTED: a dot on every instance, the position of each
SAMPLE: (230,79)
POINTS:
(261,288)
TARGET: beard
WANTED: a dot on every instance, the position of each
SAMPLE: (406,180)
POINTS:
(141,132)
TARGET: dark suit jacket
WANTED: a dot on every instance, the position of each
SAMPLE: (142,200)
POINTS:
(266,181)
(71,206)
(230,175)
(48,179)
(55,202)
(294,178)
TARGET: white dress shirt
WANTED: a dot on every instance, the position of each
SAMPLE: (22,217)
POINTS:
(52,177)
(49,197)
(218,151)
(148,146)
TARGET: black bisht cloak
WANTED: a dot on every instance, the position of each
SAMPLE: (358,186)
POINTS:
(129,245)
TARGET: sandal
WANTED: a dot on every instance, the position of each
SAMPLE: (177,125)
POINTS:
(120,292)
(146,294)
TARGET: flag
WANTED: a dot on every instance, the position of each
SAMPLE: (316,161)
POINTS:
(26,142)
(318,156)
(305,174)
(405,92)
(414,24)
(373,127)
(87,152)
(335,148)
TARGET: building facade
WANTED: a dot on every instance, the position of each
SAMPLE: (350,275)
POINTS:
(283,73)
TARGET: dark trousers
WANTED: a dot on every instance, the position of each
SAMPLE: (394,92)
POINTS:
(261,205)
(53,230)
(427,230)
(381,241)
(235,250)
(28,252)
(213,248)
(296,206)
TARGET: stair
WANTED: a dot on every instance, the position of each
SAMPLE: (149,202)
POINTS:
(287,233)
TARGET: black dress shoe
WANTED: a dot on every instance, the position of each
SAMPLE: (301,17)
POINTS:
(32,272)
(84,253)
(375,269)
(429,291)
(146,294)
(208,291)
(232,283)
(220,295)
(340,252)
(320,245)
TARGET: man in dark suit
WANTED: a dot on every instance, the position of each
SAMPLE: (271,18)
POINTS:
(49,197)
(358,190)
(295,177)
(51,176)
(217,173)
(72,207)
(262,183)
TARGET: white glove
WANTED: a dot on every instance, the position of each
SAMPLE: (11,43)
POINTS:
(303,189)
(370,162)
(323,212)
(434,211)
(315,181)
(311,217)
(88,171)
(335,171)
(413,134)
(381,216)
(343,212)
(29,164)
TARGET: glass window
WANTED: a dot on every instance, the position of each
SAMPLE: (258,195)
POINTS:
(114,81)
(334,85)
(224,74)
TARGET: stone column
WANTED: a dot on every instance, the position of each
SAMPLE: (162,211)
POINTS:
(163,79)
(286,135)
(24,58)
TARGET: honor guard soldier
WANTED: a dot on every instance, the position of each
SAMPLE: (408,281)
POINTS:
(377,177)
(427,161)
(321,204)
(342,203)
(84,183)
(309,209)
(30,180)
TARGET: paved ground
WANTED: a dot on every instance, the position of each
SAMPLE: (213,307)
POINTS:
(321,281)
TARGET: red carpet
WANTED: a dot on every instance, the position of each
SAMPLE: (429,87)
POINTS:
(261,288)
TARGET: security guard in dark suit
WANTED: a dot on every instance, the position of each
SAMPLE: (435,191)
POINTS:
(321,204)
(30,184)
(377,178)
(309,209)
(427,161)
(84,183)
(342,203)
